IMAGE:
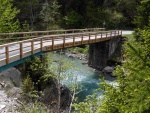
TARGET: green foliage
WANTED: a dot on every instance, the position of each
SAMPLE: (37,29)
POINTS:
(50,14)
(117,20)
(8,23)
(83,50)
(36,69)
(29,12)
(73,19)
(142,18)
(127,8)
(27,85)
(36,107)
(132,94)
(89,106)
(53,14)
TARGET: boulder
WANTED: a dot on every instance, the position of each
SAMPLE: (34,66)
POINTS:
(108,69)
(13,74)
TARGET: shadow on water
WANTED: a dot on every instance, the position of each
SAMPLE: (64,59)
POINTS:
(87,77)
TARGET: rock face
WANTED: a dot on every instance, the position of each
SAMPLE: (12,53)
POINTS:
(50,97)
(12,75)
(99,53)
(7,105)
(8,92)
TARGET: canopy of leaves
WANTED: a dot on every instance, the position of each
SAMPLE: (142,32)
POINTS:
(8,23)
(142,19)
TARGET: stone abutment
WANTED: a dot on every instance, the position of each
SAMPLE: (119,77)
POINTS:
(101,52)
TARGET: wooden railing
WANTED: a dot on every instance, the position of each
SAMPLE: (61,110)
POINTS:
(17,50)
(18,36)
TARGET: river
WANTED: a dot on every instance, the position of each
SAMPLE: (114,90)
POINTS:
(87,77)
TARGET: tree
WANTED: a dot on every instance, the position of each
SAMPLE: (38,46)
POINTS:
(60,70)
(73,20)
(29,12)
(8,22)
(143,16)
(50,13)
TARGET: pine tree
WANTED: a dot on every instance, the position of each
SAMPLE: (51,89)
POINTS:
(133,78)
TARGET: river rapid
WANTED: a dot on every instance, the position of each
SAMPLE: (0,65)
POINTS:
(86,77)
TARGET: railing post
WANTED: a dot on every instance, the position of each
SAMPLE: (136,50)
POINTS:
(82,39)
(7,54)
(115,33)
(106,34)
(41,44)
(110,34)
(32,47)
(118,32)
(24,36)
(121,32)
(36,34)
(101,35)
(52,43)
(95,37)
(21,51)
(64,39)
(89,37)
(73,40)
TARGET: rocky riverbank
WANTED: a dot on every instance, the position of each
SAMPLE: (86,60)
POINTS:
(10,91)
(108,70)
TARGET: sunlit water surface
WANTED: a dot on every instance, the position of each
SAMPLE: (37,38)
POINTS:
(86,77)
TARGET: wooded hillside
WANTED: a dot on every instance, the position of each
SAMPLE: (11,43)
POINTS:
(55,14)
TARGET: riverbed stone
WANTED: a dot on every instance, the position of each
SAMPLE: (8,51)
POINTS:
(108,69)
(2,106)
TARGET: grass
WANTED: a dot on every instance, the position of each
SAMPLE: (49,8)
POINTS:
(130,37)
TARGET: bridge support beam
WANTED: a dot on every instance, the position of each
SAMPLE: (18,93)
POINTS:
(101,52)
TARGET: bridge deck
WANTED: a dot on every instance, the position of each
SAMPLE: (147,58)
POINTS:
(11,52)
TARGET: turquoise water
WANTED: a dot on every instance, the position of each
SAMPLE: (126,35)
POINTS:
(87,77)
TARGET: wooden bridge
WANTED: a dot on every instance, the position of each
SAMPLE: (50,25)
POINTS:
(25,44)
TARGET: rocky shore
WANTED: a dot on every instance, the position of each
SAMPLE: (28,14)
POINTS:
(10,91)
(108,70)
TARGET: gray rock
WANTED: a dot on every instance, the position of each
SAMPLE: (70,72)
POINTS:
(2,107)
(13,74)
(14,92)
(108,69)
